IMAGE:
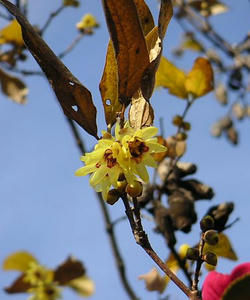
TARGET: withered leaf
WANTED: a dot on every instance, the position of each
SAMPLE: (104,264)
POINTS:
(155,46)
(18,286)
(141,113)
(165,15)
(75,99)
(109,87)
(69,270)
(129,44)
(13,87)
(145,16)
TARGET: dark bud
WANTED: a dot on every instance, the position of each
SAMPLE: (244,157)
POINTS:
(232,135)
(211,237)
(192,253)
(235,79)
(207,223)
(210,258)
(113,196)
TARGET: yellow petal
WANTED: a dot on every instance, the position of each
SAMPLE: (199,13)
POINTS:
(156,147)
(146,132)
(85,170)
(142,172)
(98,175)
(149,160)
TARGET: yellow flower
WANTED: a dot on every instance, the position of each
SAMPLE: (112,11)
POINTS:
(45,292)
(138,147)
(125,154)
(36,274)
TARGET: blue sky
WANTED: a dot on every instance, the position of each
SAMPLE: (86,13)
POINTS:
(48,211)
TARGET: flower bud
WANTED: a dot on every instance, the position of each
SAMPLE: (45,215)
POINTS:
(186,126)
(211,237)
(181,136)
(135,189)
(113,196)
(177,120)
(121,185)
(210,258)
(206,223)
(192,253)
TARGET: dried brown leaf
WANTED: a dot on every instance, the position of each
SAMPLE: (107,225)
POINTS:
(141,113)
(13,87)
(145,16)
(129,44)
(18,286)
(68,270)
(75,99)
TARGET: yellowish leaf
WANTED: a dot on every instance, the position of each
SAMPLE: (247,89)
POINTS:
(109,87)
(223,248)
(12,34)
(172,78)
(200,79)
(18,261)
(13,87)
(84,286)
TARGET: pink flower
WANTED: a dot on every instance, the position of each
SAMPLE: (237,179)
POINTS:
(217,283)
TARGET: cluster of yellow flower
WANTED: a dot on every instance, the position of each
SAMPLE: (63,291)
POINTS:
(40,280)
(126,155)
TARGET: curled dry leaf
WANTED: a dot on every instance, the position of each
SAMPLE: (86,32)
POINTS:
(75,99)
(13,87)
(141,113)
(154,281)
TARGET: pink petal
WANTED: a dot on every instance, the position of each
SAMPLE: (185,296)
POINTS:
(216,283)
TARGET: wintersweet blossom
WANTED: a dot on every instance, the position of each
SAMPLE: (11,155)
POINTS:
(218,286)
(127,153)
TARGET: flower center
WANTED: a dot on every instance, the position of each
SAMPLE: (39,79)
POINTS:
(108,156)
(137,148)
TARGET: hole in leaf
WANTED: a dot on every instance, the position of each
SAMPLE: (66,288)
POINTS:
(75,107)
(108,102)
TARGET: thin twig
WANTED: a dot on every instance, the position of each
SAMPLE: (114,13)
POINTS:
(72,45)
(142,240)
(108,223)
(50,18)
(199,263)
